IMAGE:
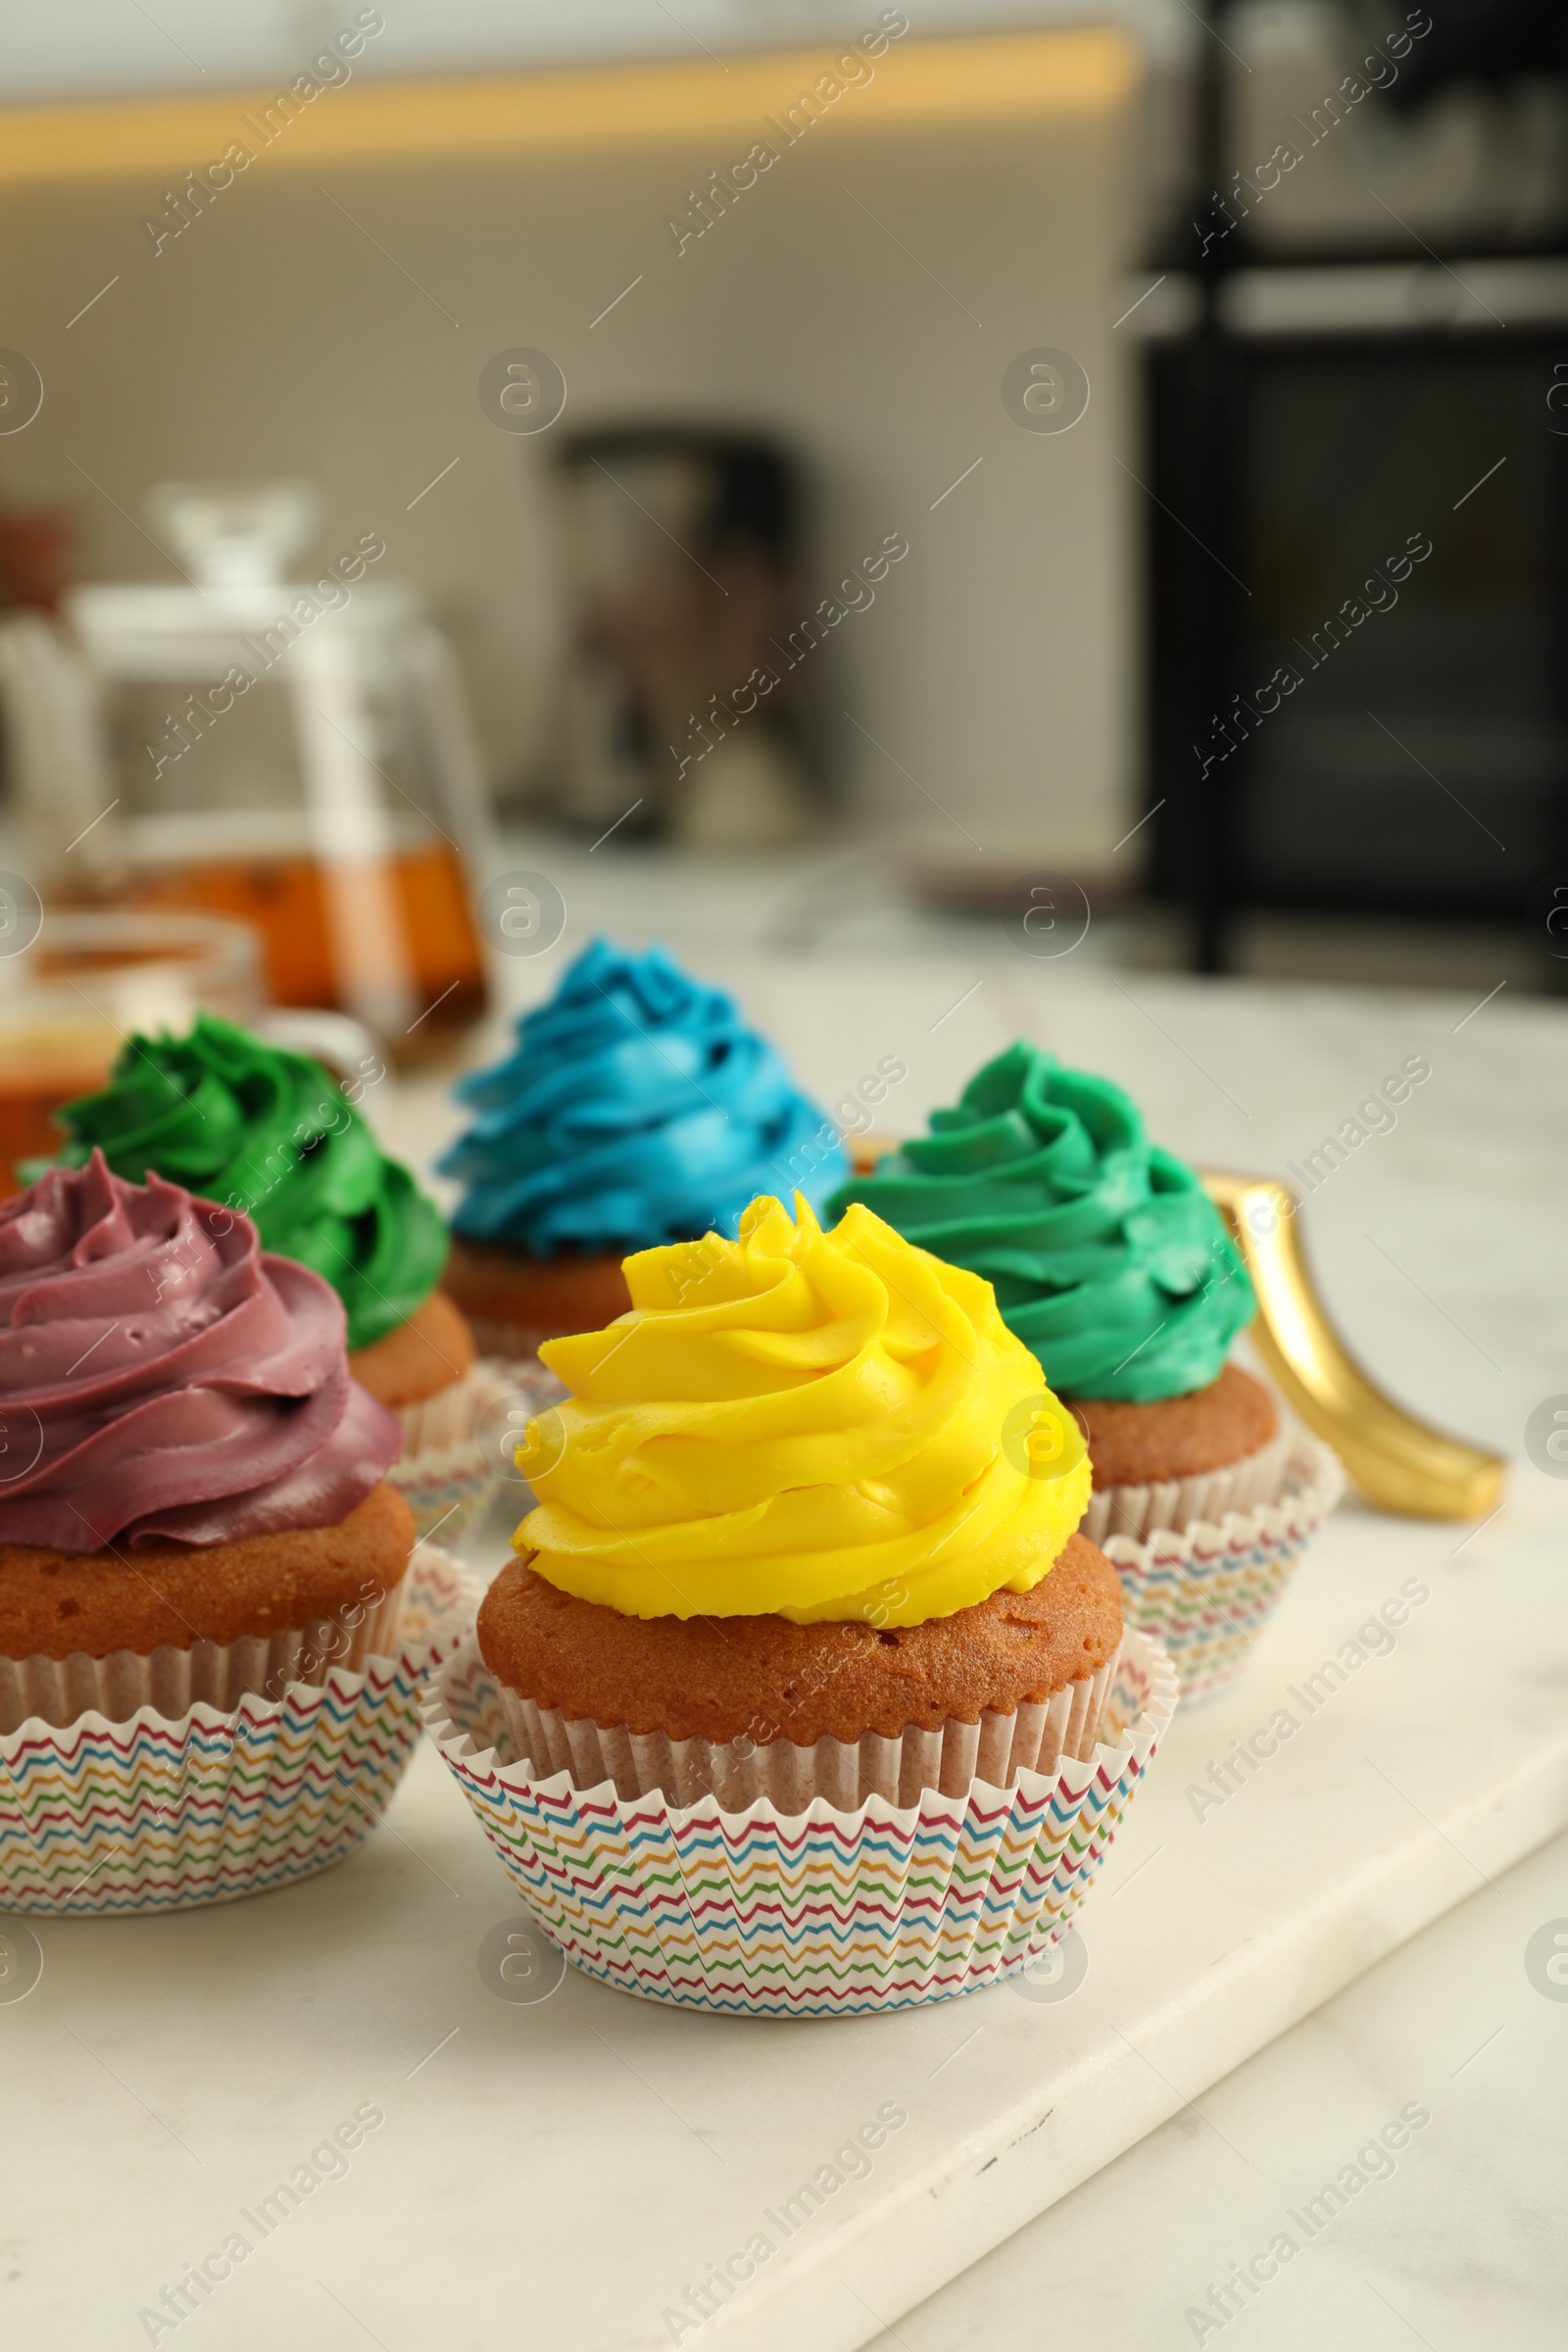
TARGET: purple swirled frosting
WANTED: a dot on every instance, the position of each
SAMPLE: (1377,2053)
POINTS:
(161,1377)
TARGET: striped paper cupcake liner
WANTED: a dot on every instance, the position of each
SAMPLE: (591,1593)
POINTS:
(535,1384)
(822,1913)
(1206,1592)
(530,1388)
(161,1814)
(451,1466)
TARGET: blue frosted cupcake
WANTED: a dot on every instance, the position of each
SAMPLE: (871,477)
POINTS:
(636,1108)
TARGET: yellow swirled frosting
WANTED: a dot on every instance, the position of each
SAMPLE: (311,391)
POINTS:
(807,1424)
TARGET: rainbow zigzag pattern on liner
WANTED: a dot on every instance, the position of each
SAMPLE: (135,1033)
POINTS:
(445,1490)
(152,1815)
(1207,1593)
(823,1914)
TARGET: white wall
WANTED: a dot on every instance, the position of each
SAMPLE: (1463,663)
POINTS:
(998,666)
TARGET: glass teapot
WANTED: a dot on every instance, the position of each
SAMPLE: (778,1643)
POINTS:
(295,753)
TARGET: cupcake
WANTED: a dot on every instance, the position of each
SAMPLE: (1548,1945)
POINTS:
(199,1466)
(263,1131)
(200,1555)
(1110,1262)
(805,1545)
(636,1110)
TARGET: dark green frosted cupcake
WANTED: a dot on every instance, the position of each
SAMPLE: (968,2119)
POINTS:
(261,1129)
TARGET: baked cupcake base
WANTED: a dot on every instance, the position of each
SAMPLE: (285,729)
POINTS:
(1182,1459)
(59,1605)
(760,1706)
(430,1352)
(825,1912)
(164,1811)
(514,1302)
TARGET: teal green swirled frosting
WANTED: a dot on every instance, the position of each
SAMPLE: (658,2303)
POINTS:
(1108,1259)
(258,1128)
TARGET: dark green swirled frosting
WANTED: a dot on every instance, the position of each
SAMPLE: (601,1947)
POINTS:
(258,1128)
(1110,1260)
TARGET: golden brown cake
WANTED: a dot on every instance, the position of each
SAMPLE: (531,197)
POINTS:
(1177,1437)
(435,1348)
(719,1678)
(54,1602)
(516,1303)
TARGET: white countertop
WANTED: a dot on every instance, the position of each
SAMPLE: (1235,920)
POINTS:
(548,2170)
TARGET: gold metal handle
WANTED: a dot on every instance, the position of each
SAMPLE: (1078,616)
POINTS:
(1398,1461)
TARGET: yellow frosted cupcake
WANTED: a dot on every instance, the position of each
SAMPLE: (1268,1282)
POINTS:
(811,1487)
(805,1547)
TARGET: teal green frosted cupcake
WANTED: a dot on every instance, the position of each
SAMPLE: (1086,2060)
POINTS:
(1114,1268)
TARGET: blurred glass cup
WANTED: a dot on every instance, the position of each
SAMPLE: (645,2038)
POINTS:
(71,996)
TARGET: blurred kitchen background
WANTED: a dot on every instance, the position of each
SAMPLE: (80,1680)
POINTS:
(781,478)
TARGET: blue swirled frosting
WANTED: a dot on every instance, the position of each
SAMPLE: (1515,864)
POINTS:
(636,1108)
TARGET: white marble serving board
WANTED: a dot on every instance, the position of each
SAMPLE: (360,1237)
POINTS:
(560,2174)
(1282,2214)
